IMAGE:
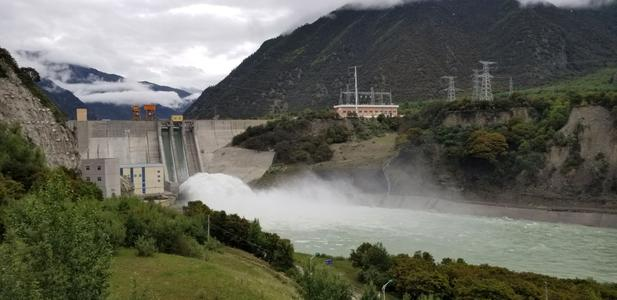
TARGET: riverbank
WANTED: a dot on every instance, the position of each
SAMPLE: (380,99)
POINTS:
(578,216)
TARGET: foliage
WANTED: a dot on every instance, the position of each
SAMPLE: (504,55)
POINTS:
(241,233)
(145,246)
(16,277)
(486,145)
(322,284)
(20,160)
(305,138)
(420,277)
(58,243)
(369,292)
(373,260)
(500,154)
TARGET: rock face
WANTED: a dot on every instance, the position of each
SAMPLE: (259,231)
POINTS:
(19,105)
(588,161)
(485,118)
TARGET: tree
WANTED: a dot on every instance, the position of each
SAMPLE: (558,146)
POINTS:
(486,145)
(371,255)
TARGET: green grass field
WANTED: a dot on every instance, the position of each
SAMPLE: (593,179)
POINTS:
(233,274)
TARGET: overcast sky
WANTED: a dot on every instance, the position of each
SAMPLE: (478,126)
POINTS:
(182,43)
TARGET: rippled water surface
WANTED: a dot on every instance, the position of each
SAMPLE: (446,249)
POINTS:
(322,217)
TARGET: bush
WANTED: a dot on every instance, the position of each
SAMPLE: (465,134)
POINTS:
(370,293)
(146,246)
(20,160)
(189,247)
(317,283)
(58,245)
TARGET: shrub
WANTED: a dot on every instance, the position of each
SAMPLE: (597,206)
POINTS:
(146,246)
(189,247)
(20,160)
(58,243)
(370,293)
(318,283)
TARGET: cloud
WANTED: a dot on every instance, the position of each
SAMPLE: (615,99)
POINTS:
(186,43)
(121,92)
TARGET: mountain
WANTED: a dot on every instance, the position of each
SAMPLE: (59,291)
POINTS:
(24,104)
(106,95)
(162,88)
(64,99)
(407,48)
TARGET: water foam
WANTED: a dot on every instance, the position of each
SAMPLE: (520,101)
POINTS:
(334,217)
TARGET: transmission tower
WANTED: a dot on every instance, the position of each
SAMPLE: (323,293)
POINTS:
(451,89)
(486,89)
(475,78)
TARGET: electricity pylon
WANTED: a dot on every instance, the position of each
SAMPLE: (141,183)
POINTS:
(451,89)
(486,89)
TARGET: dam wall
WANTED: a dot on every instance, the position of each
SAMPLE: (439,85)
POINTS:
(131,142)
(185,148)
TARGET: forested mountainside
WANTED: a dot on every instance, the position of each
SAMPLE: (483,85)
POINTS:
(406,49)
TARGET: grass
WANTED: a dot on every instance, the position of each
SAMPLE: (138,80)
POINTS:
(233,274)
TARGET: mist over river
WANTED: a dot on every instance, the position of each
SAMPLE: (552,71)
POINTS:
(333,217)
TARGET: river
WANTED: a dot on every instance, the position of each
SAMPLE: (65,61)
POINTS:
(333,217)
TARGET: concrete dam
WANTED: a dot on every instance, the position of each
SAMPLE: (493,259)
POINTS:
(183,148)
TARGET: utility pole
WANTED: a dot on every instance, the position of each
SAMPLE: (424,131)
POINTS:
(355,76)
(451,89)
(511,86)
(545,290)
(486,90)
(208,228)
(476,85)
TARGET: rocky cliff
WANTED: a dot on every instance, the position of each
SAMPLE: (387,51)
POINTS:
(20,104)
(587,160)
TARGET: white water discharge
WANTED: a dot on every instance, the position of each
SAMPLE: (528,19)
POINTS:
(333,217)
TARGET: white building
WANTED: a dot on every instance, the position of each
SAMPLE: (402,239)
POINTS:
(366,111)
(104,173)
(146,179)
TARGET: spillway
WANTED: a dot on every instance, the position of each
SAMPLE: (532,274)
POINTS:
(192,151)
(170,167)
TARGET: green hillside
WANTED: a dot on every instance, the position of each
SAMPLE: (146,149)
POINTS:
(232,274)
(604,80)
